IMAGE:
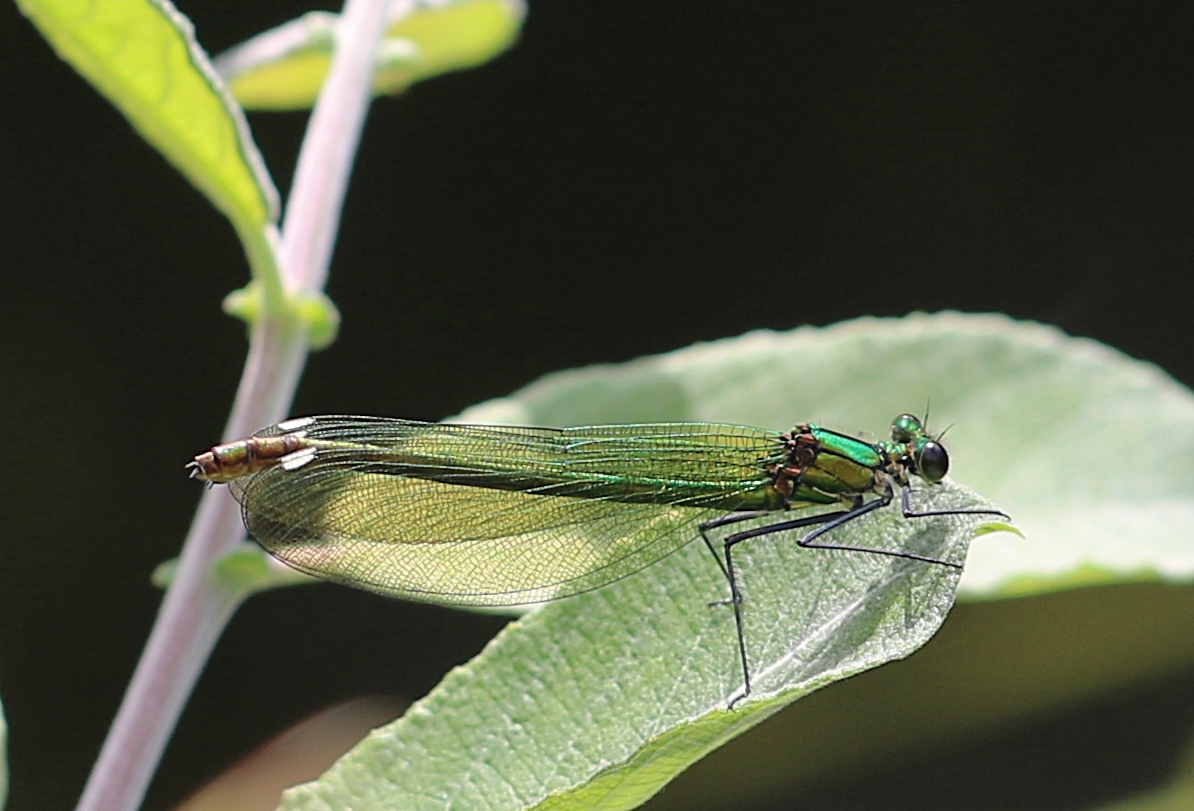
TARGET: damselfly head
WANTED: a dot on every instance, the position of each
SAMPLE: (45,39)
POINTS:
(932,462)
(925,456)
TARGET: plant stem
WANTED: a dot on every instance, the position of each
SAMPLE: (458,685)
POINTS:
(197,605)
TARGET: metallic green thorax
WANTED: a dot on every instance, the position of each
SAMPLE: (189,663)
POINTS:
(825,467)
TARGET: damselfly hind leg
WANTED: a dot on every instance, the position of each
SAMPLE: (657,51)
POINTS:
(724,521)
(727,567)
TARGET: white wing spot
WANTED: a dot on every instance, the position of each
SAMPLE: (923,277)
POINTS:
(293,425)
(293,461)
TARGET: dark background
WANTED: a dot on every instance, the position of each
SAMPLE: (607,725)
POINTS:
(632,177)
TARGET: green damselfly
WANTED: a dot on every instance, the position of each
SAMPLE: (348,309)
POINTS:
(493,515)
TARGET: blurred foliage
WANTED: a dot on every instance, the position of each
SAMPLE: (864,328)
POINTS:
(283,68)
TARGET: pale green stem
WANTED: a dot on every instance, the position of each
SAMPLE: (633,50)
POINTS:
(197,605)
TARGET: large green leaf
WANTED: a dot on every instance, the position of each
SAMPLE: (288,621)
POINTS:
(142,55)
(597,701)
(600,700)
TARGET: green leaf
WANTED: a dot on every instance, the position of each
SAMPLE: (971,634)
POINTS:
(315,311)
(599,700)
(1090,451)
(283,68)
(142,55)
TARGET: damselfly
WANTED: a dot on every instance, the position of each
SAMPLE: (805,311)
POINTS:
(490,515)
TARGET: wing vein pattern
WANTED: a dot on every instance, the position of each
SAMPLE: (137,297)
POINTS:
(485,515)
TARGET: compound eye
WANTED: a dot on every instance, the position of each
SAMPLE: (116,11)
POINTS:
(932,462)
(905,427)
